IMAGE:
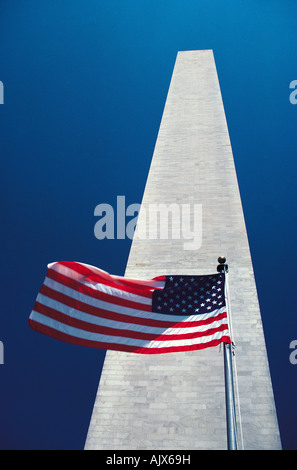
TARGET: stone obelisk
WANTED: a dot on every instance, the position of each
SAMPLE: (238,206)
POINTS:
(177,401)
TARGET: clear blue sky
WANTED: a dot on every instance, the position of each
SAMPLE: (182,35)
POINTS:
(85,84)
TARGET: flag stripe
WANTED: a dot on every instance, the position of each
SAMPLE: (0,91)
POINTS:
(79,270)
(101,292)
(75,318)
(123,347)
(73,332)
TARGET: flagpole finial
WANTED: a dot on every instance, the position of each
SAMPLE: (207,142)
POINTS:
(222,267)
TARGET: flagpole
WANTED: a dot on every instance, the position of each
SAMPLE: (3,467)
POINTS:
(228,370)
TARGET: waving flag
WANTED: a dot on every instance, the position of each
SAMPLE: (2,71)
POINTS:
(84,305)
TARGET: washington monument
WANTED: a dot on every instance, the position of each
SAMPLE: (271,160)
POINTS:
(177,401)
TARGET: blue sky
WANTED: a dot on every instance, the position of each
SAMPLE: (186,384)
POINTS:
(85,83)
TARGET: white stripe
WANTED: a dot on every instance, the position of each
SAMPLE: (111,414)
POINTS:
(116,292)
(72,274)
(188,342)
(110,323)
(143,282)
(125,310)
(99,287)
(96,337)
(60,268)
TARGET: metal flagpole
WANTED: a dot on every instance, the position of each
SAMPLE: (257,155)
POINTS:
(228,369)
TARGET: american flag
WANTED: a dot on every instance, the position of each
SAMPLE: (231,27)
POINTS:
(85,305)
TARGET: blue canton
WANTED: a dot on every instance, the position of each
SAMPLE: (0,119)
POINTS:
(190,295)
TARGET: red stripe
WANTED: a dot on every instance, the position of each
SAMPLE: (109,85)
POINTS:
(108,280)
(104,330)
(126,281)
(79,287)
(81,306)
(121,347)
